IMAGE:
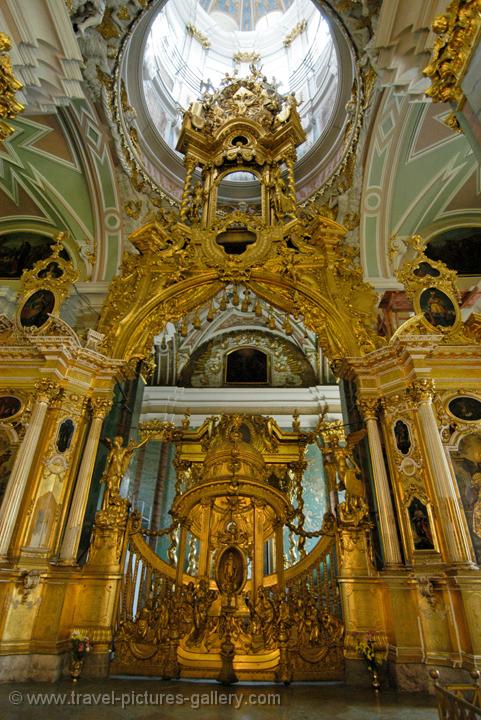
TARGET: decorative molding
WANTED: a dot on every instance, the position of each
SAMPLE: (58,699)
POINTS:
(295,32)
(197,35)
(9,85)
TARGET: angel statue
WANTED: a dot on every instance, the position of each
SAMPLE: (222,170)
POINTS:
(118,461)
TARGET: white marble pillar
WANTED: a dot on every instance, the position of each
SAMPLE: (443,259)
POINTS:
(451,517)
(387,521)
(68,552)
(23,464)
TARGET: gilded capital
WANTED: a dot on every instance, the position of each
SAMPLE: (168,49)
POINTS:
(368,407)
(100,407)
(47,391)
(421,391)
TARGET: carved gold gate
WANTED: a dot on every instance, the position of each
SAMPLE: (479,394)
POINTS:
(226,606)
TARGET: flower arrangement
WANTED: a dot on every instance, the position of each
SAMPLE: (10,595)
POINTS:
(81,645)
(366,648)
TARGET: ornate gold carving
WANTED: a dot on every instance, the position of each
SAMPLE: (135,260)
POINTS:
(198,35)
(9,85)
(457,31)
(47,391)
(243,57)
(300,266)
(421,391)
(369,407)
(108,28)
(294,33)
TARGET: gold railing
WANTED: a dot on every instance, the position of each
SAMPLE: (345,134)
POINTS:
(458,701)
(164,629)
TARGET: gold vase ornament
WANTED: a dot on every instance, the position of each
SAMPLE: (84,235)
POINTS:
(75,669)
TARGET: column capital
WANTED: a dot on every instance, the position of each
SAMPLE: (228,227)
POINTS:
(100,407)
(46,391)
(421,391)
(369,407)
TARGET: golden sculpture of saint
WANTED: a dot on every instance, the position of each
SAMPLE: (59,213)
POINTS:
(118,461)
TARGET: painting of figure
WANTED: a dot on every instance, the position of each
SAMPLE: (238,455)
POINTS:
(465,408)
(246,366)
(401,433)
(467,467)
(64,437)
(230,571)
(437,307)
(424,269)
(36,309)
(420,525)
(9,406)
(21,250)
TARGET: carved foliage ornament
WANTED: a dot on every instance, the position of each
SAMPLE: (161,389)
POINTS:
(457,31)
(9,85)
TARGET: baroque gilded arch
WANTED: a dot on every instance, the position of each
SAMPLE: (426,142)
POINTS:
(318,283)
(298,261)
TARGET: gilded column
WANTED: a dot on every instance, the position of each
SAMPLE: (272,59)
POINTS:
(389,537)
(181,552)
(279,535)
(206,504)
(189,171)
(452,521)
(46,391)
(68,552)
(258,573)
(290,162)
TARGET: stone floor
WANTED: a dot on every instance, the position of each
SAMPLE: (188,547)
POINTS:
(146,699)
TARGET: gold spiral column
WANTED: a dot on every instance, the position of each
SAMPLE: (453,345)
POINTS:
(46,392)
(389,537)
(452,522)
(68,552)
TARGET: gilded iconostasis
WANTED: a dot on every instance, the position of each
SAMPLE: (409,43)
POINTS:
(240,326)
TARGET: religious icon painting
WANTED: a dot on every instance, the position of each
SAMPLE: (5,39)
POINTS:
(10,406)
(438,308)
(401,434)
(37,308)
(420,525)
(424,269)
(64,436)
(465,408)
(231,571)
(466,461)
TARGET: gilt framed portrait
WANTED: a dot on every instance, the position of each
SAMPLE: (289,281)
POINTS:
(37,308)
(438,308)
(10,406)
(465,408)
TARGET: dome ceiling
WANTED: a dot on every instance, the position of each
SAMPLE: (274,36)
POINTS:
(243,14)
(182,48)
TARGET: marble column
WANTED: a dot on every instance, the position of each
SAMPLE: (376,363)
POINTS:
(68,552)
(12,501)
(451,517)
(387,521)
